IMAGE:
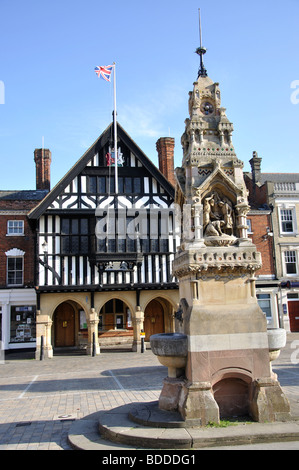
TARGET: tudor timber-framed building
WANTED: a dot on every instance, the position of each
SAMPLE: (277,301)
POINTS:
(103,260)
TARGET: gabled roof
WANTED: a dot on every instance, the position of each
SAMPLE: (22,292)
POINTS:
(88,155)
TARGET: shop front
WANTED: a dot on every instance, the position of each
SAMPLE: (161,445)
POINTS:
(18,319)
(290,305)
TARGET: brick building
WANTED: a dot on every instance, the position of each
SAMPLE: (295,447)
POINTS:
(17,261)
(267,286)
(274,200)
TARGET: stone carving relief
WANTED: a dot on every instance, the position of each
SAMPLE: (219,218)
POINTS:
(218,220)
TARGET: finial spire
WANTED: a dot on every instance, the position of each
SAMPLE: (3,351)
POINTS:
(202,72)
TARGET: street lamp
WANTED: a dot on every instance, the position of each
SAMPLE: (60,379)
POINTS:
(45,247)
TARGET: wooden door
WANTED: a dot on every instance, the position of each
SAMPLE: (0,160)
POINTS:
(153,319)
(109,321)
(294,315)
(64,325)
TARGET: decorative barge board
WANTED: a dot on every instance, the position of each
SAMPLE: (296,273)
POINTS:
(95,247)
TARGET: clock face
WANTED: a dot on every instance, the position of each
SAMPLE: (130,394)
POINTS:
(207,108)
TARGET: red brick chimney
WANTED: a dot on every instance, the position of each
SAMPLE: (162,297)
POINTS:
(42,158)
(165,149)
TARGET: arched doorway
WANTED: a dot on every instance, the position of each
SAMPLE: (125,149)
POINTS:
(115,326)
(232,397)
(153,319)
(115,315)
(64,324)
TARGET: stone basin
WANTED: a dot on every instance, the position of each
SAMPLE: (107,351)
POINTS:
(277,338)
(171,350)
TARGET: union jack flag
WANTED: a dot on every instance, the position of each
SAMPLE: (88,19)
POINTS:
(104,72)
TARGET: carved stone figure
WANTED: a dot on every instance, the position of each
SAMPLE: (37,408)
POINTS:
(217,216)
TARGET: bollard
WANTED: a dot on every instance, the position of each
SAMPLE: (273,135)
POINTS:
(93,344)
(41,348)
(142,338)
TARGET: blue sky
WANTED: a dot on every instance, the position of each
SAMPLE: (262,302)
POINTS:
(49,49)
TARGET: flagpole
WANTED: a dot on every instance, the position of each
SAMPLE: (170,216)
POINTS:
(115,132)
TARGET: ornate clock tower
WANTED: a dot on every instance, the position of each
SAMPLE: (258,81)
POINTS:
(228,371)
(208,154)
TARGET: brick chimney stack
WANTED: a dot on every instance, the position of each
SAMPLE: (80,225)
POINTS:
(43,158)
(256,164)
(165,149)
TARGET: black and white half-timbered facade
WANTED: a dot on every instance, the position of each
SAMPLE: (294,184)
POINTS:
(104,259)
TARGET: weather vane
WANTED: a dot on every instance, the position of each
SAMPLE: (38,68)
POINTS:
(202,72)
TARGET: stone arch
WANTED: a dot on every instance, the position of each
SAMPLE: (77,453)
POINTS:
(71,299)
(223,190)
(158,315)
(114,295)
(231,389)
(67,322)
(113,311)
(160,295)
(219,181)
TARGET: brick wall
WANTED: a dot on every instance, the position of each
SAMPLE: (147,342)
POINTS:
(24,242)
(259,223)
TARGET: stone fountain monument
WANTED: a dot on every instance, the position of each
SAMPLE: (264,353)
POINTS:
(218,359)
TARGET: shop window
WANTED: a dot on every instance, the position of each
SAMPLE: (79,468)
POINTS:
(22,324)
(264,301)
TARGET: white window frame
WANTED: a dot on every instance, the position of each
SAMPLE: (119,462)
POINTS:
(15,271)
(265,297)
(15,228)
(249,226)
(284,260)
(283,210)
(16,254)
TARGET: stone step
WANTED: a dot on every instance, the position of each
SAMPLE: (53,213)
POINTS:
(142,426)
(116,426)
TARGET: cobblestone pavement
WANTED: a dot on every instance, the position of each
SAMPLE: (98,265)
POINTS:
(40,399)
